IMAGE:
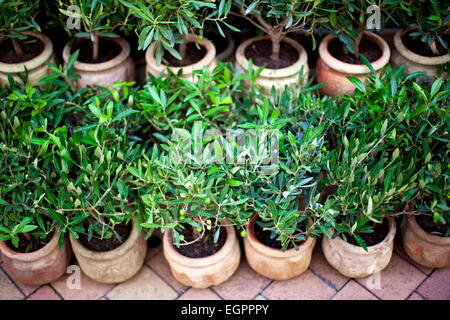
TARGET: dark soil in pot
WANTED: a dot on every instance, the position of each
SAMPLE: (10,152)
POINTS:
(367,48)
(380,231)
(260,53)
(193,55)
(421,48)
(108,50)
(30,243)
(204,247)
(102,245)
(427,223)
(219,42)
(31,48)
(264,236)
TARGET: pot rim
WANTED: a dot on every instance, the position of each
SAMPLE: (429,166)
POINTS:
(33,63)
(414,57)
(349,68)
(293,69)
(102,66)
(357,250)
(169,250)
(35,255)
(272,252)
(428,237)
(113,254)
(206,60)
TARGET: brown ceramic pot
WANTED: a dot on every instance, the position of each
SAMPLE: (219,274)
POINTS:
(274,263)
(39,267)
(335,72)
(208,61)
(278,78)
(119,68)
(353,261)
(415,62)
(36,67)
(424,248)
(114,266)
(204,272)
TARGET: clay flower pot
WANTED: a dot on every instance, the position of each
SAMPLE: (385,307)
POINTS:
(415,62)
(204,272)
(38,267)
(276,77)
(334,72)
(36,67)
(114,266)
(424,248)
(208,61)
(353,261)
(119,68)
(274,263)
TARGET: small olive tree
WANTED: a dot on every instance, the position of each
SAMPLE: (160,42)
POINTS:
(277,18)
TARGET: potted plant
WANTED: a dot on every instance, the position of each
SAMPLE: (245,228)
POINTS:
(104,57)
(168,33)
(23,49)
(280,188)
(33,249)
(93,200)
(426,232)
(283,58)
(191,203)
(340,51)
(424,44)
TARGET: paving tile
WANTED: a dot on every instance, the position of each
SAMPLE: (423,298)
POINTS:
(26,289)
(307,286)
(353,291)
(159,264)
(320,265)
(396,281)
(260,297)
(199,294)
(8,291)
(415,296)
(89,289)
(398,248)
(243,285)
(146,285)
(44,293)
(437,286)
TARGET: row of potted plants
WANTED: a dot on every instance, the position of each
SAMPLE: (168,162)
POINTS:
(96,170)
(173,36)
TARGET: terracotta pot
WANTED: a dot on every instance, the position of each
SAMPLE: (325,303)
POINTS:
(353,261)
(38,267)
(208,61)
(36,67)
(274,263)
(334,72)
(415,62)
(228,53)
(117,265)
(204,272)
(424,248)
(119,68)
(276,77)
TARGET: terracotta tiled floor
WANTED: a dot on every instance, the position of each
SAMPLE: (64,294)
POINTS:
(402,279)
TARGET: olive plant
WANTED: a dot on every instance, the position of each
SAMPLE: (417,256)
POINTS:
(277,18)
(16,17)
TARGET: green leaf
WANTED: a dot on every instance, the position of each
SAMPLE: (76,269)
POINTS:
(357,83)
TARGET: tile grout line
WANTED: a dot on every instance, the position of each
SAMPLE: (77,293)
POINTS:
(367,289)
(166,282)
(222,298)
(14,283)
(260,292)
(420,284)
(56,291)
(109,290)
(342,288)
(411,263)
(328,282)
(418,293)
